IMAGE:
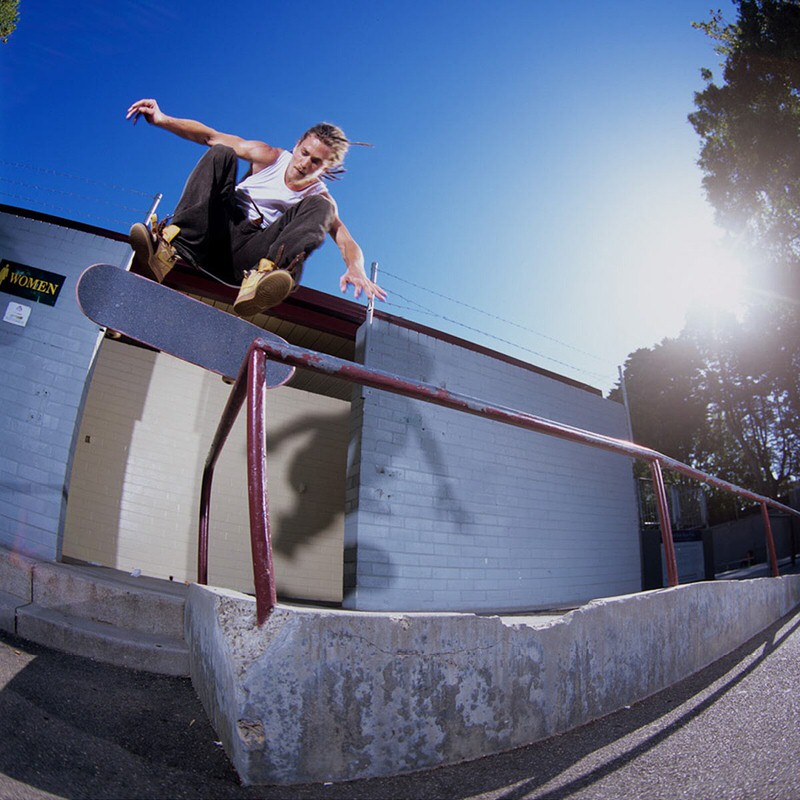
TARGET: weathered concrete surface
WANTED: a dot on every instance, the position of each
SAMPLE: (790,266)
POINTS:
(95,612)
(332,695)
(16,574)
(16,586)
(111,597)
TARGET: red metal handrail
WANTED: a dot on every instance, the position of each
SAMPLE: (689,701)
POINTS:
(252,379)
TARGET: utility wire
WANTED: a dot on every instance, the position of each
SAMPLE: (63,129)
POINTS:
(63,209)
(65,193)
(424,310)
(91,181)
(419,307)
(490,315)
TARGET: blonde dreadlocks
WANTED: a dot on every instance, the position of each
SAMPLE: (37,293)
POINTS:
(334,137)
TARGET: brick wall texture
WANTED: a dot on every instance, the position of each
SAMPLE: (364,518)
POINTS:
(447,511)
(45,366)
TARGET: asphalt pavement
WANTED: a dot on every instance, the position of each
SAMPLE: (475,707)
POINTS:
(74,728)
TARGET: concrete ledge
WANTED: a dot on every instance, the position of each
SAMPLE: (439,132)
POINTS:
(8,612)
(319,695)
(16,587)
(16,575)
(149,652)
(111,597)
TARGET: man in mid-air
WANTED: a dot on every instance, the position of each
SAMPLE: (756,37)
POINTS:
(259,231)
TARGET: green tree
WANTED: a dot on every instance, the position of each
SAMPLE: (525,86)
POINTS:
(9,17)
(749,384)
(724,397)
(749,125)
(661,384)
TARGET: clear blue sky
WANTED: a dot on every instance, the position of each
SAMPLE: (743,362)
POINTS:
(532,159)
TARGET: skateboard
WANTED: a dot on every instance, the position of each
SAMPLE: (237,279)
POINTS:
(169,321)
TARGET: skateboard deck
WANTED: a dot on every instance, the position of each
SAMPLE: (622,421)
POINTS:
(169,321)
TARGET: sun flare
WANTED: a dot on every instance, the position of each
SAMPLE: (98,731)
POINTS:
(715,281)
(698,271)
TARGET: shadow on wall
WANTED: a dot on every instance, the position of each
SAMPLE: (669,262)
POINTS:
(407,474)
(316,476)
(421,442)
(306,438)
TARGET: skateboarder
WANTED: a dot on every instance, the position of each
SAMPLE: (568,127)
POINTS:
(259,231)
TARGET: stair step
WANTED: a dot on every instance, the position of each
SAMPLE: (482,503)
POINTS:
(9,603)
(102,641)
(145,605)
(16,575)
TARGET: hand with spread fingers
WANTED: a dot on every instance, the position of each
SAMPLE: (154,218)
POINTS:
(145,108)
(361,283)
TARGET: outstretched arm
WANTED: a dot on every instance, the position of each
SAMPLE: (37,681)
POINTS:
(354,260)
(259,154)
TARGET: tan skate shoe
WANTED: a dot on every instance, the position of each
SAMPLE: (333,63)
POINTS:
(263,288)
(153,253)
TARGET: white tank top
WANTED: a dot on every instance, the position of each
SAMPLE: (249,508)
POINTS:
(268,190)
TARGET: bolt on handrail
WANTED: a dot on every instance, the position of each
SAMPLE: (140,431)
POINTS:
(251,383)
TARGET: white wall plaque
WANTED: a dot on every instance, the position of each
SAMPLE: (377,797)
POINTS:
(17,314)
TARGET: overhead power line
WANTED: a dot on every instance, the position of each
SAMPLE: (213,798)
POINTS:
(493,316)
(82,179)
(66,193)
(420,308)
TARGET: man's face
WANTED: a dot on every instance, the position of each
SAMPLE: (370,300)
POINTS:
(310,158)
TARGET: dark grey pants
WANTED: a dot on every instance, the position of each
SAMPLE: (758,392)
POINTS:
(217,235)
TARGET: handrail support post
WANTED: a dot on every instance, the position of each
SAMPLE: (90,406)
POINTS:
(773,558)
(260,541)
(664,522)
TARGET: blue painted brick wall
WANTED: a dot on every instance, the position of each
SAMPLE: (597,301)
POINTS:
(45,366)
(447,511)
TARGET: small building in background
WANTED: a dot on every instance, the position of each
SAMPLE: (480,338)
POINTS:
(377,502)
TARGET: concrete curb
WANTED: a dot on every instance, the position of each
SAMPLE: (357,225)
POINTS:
(16,587)
(334,695)
(89,592)
(95,612)
(124,647)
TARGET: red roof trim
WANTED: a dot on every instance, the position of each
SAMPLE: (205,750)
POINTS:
(307,307)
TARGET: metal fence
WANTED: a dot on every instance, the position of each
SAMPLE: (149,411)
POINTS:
(251,385)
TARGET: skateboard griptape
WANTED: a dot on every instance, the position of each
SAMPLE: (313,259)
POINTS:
(171,322)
